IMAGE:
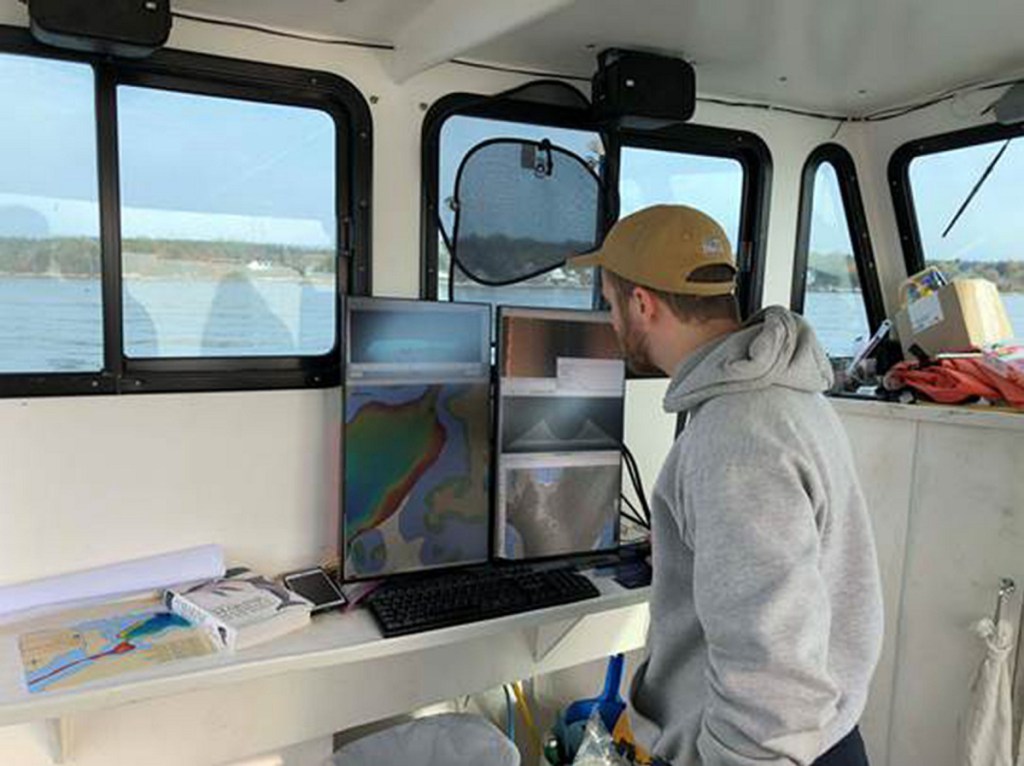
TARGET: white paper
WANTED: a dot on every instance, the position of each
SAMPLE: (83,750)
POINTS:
(591,375)
(149,573)
(925,312)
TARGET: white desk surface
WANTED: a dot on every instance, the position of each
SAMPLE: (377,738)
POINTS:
(333,639)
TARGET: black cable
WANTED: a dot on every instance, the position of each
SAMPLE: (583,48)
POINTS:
(881,115)
(634,469)
(638,485)
(890,113)
(518,70)
(251,27)
(635,515)
(771,108)
(633,508)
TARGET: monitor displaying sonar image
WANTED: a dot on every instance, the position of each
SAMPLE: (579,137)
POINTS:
(561,406)
(550,423)
(416,484)
(559,504)
(533,340)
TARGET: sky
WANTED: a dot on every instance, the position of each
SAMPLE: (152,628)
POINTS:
(992,227)
(191,167)
(830,231)
(198,167)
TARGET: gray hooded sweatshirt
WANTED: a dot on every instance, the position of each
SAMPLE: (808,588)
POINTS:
(766,610)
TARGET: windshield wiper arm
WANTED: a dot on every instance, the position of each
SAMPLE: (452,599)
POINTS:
(977,187)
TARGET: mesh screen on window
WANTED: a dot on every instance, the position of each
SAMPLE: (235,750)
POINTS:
(833,301)
(51,305)
(228,226)
(561,287)
(985,240)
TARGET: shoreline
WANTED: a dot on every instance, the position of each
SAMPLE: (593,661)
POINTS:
(233,277)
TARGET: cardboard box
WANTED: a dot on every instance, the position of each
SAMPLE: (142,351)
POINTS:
(961,316)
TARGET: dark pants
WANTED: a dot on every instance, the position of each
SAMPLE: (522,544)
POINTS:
(848,752)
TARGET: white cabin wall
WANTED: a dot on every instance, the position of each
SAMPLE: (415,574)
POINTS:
(89,480)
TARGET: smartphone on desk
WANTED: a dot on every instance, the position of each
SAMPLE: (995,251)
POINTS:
(316,586)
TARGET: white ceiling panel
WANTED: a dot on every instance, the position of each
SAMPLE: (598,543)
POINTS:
(849,56)
(365,20)
(842,56)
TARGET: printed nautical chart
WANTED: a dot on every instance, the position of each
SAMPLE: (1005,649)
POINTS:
(109,646)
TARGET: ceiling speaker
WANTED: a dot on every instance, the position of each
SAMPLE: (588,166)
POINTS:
(642,90)
(131,28)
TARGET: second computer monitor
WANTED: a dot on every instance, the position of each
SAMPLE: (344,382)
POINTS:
(560,421)
(416,440)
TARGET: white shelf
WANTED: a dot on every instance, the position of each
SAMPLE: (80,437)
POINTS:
(959,415)
(335,640)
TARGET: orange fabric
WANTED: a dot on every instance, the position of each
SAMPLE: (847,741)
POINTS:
(951,381)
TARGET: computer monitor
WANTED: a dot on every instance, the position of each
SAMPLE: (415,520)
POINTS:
(416,445)
(561,389)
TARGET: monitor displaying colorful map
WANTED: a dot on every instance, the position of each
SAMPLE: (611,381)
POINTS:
(416,467)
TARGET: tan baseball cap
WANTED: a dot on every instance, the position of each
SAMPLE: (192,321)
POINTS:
(661,247)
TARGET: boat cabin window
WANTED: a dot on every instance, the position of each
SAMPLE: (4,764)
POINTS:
(723,172)
(228,226)
(958,196)
(835,285)
(713,185)
(176,223)
(51,310)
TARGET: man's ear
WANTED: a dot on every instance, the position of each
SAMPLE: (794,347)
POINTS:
(646,304)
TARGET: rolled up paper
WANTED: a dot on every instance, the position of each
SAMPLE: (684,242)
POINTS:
(150,573)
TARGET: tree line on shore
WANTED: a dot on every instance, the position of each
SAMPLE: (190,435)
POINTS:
(80,256)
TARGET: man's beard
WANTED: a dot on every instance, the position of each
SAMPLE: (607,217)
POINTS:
(634,349)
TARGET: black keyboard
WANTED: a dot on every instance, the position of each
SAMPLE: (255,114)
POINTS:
(438,601)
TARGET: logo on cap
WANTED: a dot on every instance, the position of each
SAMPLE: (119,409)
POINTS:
(712,246)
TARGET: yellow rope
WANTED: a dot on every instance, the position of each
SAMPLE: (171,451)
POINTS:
(524,709)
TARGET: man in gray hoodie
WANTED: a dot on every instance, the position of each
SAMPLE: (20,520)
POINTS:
(766,610)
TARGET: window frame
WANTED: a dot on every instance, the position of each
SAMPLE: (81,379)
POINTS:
(745,147)
(203,74)
(857,228)
(753,155)
(899,178)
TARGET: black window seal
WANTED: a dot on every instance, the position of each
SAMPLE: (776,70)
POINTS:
(474,105)
(234,78)
(857,228)
(899,179)
(753,155)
